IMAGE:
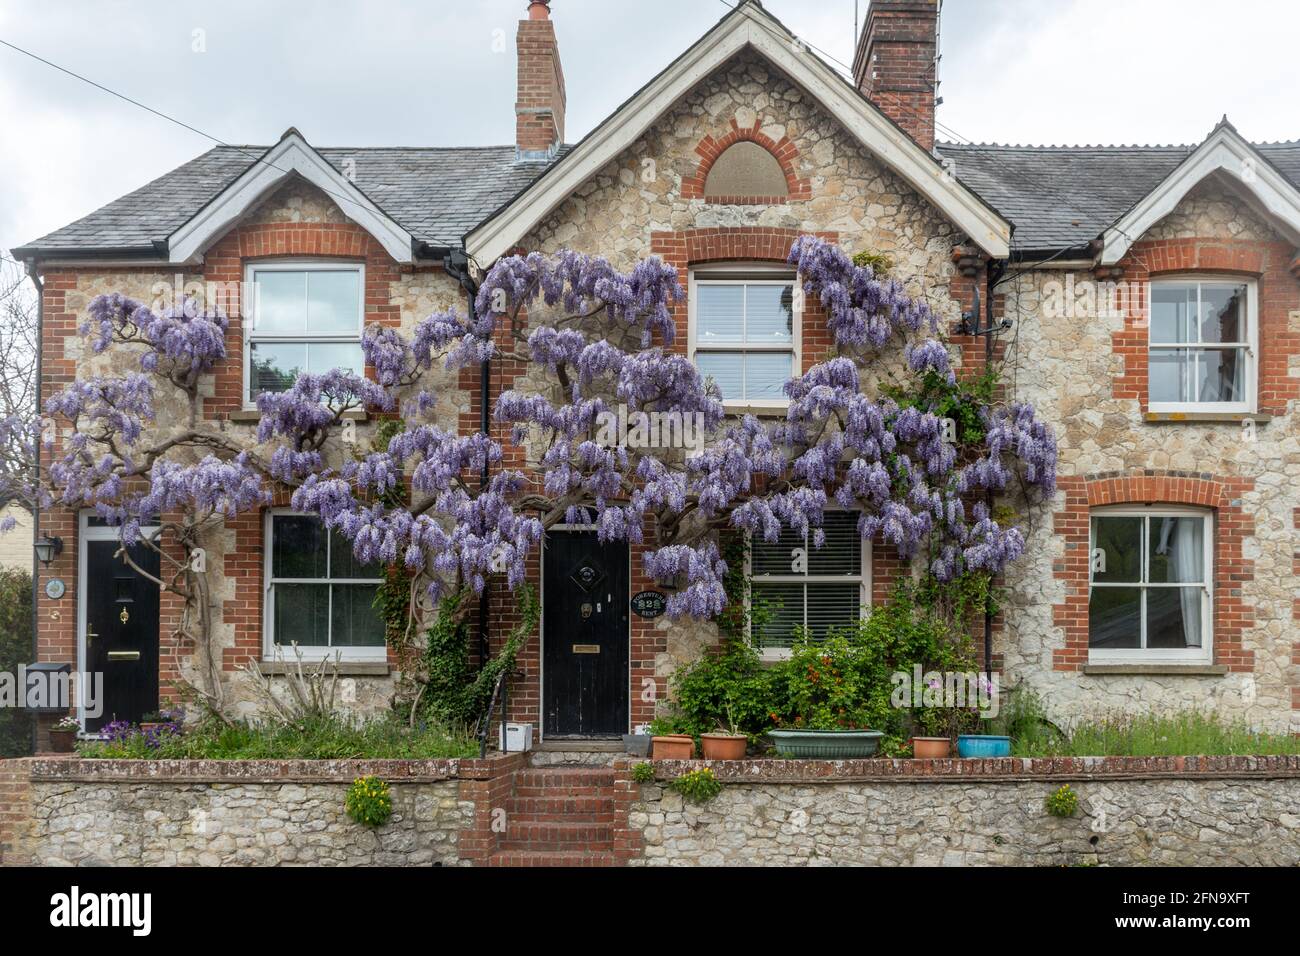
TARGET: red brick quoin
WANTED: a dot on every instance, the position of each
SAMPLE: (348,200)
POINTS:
(1279,295)
(783,151)
(1231,526)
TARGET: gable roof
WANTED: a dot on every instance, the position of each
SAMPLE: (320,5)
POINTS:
(292,156)
(1063,197)
(435,193)
(746,27)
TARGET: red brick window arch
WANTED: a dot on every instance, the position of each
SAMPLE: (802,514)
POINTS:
(746,167)
(1168,585)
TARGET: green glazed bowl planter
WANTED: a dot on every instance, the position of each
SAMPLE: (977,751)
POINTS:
(826,744)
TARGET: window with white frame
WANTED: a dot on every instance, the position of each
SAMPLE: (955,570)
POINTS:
(805,589)
(744,333)
(301,317)
(318,594)
(1203,337)
(1150,584)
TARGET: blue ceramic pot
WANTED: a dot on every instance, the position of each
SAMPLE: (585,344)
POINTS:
(983,745)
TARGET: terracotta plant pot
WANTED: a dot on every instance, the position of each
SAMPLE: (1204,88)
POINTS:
(63,741)
(724,746)
(147,726)
(930,747)
(674,747)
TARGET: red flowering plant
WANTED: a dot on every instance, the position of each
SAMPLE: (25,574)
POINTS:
(830,685)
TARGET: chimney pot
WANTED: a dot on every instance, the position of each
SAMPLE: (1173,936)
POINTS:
(539,10)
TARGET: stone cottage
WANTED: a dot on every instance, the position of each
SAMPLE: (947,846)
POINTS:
(1152,296)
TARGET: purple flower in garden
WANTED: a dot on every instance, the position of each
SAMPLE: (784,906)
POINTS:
(119,731)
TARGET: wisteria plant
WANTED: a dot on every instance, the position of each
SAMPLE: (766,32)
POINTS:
(592,339)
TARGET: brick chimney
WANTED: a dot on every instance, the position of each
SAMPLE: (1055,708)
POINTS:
(539,106)
(895,63)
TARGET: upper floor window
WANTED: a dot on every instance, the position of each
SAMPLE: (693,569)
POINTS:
(318,595)
(1149,589)
(301,317)
(744,334)
(1203,337)
(805,589)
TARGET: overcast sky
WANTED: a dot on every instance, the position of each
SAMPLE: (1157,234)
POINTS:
(442,73)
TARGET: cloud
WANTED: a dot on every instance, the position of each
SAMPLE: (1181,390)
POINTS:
(414,72)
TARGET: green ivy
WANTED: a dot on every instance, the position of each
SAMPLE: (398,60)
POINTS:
(455,692)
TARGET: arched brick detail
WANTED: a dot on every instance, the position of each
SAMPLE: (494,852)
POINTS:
(1232,525)
(225,263)
(1279,297)
(783,151)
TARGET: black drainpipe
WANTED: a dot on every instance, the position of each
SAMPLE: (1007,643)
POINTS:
(992,274)
(34,275)
(457,265)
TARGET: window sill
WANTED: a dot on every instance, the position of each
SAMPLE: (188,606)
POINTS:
(1165,669)
(251,416)
(1185,418)
(345,668)
(739,409)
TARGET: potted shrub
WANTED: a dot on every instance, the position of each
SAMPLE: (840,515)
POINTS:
(63,735)
(827,704)
(667,744)
(985,745)
(728,742)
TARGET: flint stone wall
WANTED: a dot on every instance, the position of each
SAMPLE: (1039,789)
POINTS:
(1174,811)
(241,813)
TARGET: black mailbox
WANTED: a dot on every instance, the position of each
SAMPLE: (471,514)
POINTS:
(48,671)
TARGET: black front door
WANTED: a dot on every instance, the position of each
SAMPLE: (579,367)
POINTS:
(585,631)
(122,631)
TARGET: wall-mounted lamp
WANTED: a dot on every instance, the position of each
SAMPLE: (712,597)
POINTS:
(47,549)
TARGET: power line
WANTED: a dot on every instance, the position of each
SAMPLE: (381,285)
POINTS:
(169,118)
(1016,177)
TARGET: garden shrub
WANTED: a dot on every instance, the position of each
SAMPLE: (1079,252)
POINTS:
(15,649)
(331,738)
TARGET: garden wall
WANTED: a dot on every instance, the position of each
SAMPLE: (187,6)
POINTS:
(68,811)
(1132,811)
(1164,811)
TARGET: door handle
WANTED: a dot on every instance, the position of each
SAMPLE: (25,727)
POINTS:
(90,633)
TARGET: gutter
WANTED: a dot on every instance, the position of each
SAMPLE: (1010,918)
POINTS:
(156,252)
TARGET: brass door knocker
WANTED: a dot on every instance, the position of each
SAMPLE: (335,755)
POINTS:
(124,616)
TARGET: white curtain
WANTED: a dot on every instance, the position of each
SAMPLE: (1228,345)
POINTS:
(1185,562)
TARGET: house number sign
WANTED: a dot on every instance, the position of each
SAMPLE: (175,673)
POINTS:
(55,588)
(649,603)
